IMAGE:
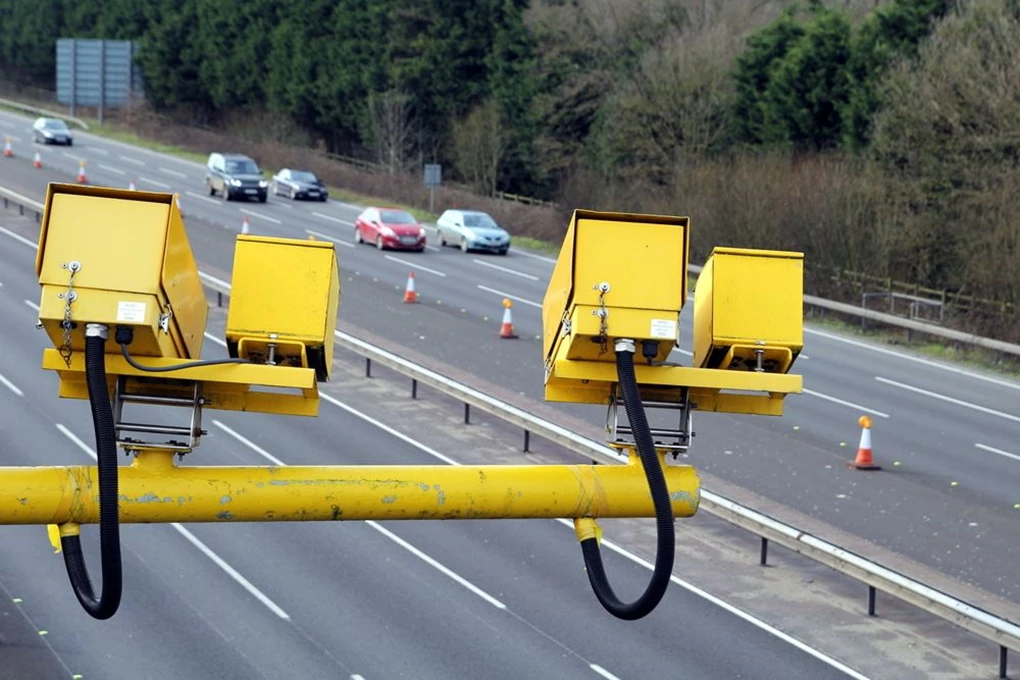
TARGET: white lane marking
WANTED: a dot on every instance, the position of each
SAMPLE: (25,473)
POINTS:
(414,265)
(846,403)
(31,304)
(250,444)
(908,357)
(504,269)
(603,672)
(333,219)
(992,449)
(173,172)
(951,400)
(19,238)
(154,182)
(96,149)
(260,216)
(218,341)
(219,561)
(11,386)
(288,206)
(110,168)
(445,570)
(508,295)
(77,159)
(134,161)
(203,198)
(349,206)
(543,258)
(803,356)
(319,234)
(357,677)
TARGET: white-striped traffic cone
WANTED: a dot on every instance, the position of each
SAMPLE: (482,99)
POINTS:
(245,225)
(506,329)
(864,461)
(410,294)
(37,163)
(82,179)
(8,149)
(131,185)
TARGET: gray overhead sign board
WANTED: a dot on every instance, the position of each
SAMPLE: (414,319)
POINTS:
(98,73)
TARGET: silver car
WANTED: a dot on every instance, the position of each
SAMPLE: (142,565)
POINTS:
(472,230)
(51,131)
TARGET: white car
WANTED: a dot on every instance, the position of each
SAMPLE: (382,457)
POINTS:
(472,230)
(51,131)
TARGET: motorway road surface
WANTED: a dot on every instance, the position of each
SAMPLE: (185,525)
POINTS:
(359,600)
(947,436)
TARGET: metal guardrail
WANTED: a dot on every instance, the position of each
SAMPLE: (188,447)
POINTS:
(43,112)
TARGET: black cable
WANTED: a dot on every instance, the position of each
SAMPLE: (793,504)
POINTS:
(660,499)
(109,522)
(176,367)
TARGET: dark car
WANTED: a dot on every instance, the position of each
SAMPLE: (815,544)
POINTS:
(51,131)
(235,176)
(297,184)
(389,228)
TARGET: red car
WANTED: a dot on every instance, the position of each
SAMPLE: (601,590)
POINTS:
(389,228)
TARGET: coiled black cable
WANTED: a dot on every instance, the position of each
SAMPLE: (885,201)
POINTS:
(109,521)
(660,499)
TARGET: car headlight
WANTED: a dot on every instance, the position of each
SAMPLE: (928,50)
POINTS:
(421,232)
(47,133)
(235,182)
(386,231)
(263,183)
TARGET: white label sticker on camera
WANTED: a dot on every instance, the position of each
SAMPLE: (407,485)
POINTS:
(131,312)
(663,329)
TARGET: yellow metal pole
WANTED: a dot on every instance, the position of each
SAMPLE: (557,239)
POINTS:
(153,489)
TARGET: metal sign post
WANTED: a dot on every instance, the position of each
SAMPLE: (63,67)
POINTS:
(433,178)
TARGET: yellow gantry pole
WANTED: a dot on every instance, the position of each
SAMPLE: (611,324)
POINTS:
(153,489)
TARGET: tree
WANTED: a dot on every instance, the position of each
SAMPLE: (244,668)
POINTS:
(392,129)
(478,146)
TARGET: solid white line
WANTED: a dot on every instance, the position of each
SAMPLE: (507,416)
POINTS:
(233,573)
(603,672)
(415,265)
(951,400)
(333,219)
(504,269)
(203,198)
(846,403)
(220,562)
(908,357)
(543,258)
(508,295)
(261,216)
(250,444)
(112,169)
(19,238)
(219,341)
(11,386)
(31,304)
(128,159)
(335,240)
(419,554)
(173,172)
(387,429)
(154,183)
(992,449)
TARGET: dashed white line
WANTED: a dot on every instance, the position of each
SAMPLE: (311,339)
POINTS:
(110,168)
(202,198)
(134,161)
(951,400)
(101,152)
(19,238)
(543,258)
(508,295)
(168,171)
(414,265)
(603,672)
(11,386)
(992,449)
(219,561)
(153,182)
(319,234)
(250,444)
(333,219)
(288,206)
(77,159)
(919,360)
(504,269)
(31,304)
(261,216)
(849,404)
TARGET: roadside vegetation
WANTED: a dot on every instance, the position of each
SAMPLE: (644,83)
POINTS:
(876,136)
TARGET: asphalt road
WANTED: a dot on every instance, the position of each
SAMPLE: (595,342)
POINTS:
(946,436)
(358,600)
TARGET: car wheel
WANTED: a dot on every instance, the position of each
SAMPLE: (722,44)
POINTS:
(378,242)
(357,236)
(463,245)
(212,192)
(226,193)
(442,239)
(70,142)
(504,251)
(263,197)
(322,199)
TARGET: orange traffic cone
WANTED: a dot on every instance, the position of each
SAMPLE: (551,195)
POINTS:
(864,460)
(506,329)
(8,151)
(82,179)
(409,293)
(245,225)
(38,160)
(131,185)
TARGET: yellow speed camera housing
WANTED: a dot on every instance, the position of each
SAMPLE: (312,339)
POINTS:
(284,302)
(119,258)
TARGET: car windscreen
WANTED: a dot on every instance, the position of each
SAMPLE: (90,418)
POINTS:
(299,176)
(242,168)
(397,217)
(55,125)
(479,220)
